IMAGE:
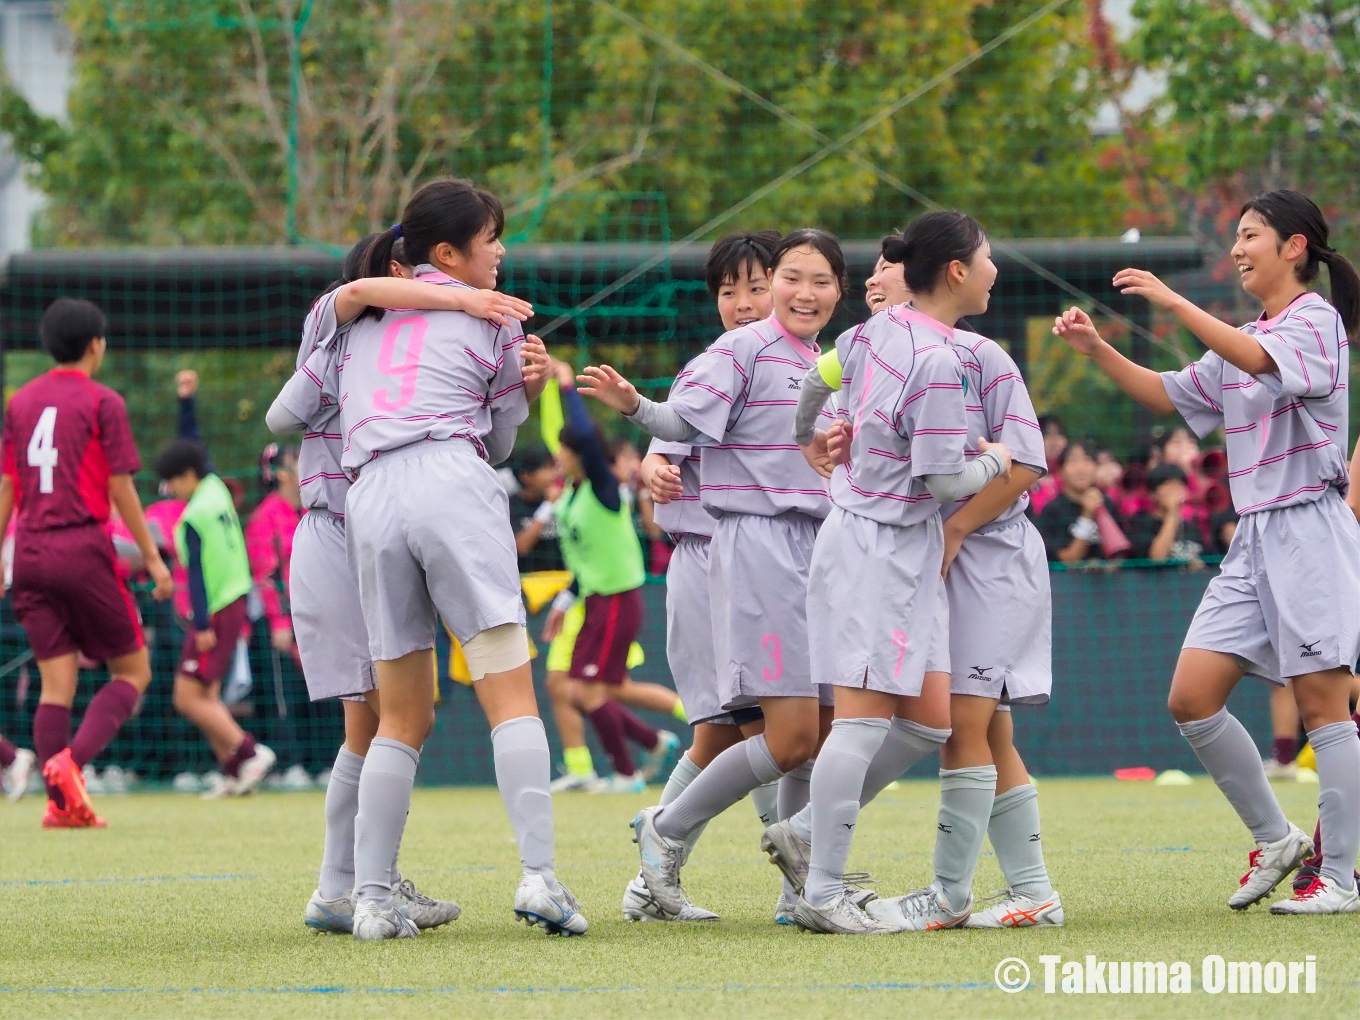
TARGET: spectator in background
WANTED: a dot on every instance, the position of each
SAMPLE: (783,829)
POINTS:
(1109,475)
(1163,533)
(533,485)
(1055,442)
(269,541)
(1075,524)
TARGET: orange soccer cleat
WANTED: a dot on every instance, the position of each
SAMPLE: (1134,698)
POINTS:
(63,773)
(60,818)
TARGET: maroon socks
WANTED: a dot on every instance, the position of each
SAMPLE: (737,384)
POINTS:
(244,750)
(51,734)
(610,727)
(1286,749)
(635,729)
(8,752)
(107,712)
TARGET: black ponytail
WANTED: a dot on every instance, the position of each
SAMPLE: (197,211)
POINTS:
(929,244)
(448,210)
(1292,212)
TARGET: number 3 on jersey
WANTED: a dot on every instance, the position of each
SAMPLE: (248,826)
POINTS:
(42,450)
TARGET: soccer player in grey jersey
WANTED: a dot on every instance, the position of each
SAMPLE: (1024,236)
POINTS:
(329,624)
(1286,602)
(737,401)
(428,402)
(908,428)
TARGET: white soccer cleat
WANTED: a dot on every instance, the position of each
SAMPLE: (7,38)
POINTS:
(618,784)
(425,911)
(373,923)
(216,786)
(842,917)
(1010,909)
(1277,773)
(23,766)
(557,913)
(1271,864)
(570,781)
(784,908)
(640,905)
(661,860)
(922,910)
(335,915)
(667,745)
(254,769)
(1320,897)
(787,852)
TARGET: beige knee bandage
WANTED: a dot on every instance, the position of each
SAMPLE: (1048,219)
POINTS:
(497,650)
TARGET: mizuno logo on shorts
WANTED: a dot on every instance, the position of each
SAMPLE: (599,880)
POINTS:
(1310,650)
(980,673)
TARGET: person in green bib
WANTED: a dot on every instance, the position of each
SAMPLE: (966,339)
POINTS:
(600,547)
(212,548)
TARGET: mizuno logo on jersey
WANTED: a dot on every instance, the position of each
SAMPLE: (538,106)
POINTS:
(795,383)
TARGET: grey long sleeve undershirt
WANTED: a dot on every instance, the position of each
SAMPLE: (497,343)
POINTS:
(814,394)
(282,421)
(664,422)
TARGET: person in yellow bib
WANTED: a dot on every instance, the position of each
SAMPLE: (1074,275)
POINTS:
(594,626)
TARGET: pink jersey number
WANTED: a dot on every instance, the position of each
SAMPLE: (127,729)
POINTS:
(407,369)
(773,648)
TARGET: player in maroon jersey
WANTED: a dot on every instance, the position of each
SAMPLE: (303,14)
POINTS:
(68,456)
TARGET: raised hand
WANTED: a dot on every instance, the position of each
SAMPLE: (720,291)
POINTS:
(186,383)
(1001,450)
(536,366)
(1141,283)
(1076,327)
(609,388)
(503,308)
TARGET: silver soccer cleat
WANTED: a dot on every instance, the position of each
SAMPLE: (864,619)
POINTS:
(557,913)
(640,905)
(424,911)
(1271,864)
(373,923)
(842,917)
(661,860)
(921,910)
(335,915)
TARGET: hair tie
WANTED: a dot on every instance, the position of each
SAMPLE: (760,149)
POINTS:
(396,229)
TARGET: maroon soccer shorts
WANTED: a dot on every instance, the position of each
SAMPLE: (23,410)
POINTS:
(211,666)
(68,597)
(612,624)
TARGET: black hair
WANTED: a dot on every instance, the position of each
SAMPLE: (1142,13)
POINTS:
(930,243)
(1292,212)
(272,458)
(399,253)
(180,456)
(828,245)
(68,328)
(616,445)
(575,439)
(530,459)
(733,253)
(1163,473)
(1073,445)
(1045,420)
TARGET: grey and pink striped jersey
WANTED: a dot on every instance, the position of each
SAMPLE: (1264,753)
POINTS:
(999,410)
(741,393)
(426,376)
(902,390)
(324,484)
(1286,431)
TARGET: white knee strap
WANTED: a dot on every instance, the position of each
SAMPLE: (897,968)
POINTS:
(497,650)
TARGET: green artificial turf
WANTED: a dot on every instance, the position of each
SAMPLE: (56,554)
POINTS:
(194,908)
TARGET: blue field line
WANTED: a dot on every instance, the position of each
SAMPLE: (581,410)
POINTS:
(859,986)
(117,881)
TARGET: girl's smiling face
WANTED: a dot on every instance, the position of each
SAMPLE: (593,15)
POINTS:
(887,286)
(745,300)
(806,291)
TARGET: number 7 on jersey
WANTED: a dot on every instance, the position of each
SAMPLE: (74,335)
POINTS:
(42,450)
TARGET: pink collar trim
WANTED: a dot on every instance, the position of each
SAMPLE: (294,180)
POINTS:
(809,351)
(1305,297)
(443,279)
(922,319)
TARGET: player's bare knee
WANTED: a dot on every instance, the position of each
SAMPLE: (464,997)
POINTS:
(792,749)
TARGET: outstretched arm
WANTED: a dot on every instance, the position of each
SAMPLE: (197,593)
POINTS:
(1142,384)
(1229,343)
(396,292)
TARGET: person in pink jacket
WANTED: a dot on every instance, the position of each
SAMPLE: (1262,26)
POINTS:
(269,541)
